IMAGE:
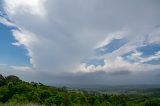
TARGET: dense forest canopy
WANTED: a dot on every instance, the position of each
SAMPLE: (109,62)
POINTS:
(14,91)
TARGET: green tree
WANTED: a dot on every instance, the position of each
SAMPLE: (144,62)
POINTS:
(12,78)
(2,80)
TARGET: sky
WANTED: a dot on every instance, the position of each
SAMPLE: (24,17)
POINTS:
(82,42)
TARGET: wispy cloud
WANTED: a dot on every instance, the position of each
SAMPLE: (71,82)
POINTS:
(21,68)
(6,22)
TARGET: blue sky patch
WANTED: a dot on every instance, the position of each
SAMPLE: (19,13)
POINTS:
(149,50)
(10,54)
(114,45)
(125,56)
(155,62)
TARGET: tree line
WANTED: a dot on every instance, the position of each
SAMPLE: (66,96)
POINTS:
(15,91)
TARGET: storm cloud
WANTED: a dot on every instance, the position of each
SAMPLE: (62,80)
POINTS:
(60,34)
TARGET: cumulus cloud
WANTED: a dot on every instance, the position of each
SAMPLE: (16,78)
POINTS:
(60,34)
(118,65)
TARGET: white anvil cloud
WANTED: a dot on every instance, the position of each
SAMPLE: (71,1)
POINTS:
(58,34)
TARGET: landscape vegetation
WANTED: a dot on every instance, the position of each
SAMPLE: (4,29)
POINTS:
(15,92)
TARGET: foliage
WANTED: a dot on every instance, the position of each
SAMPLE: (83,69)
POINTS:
(15,92)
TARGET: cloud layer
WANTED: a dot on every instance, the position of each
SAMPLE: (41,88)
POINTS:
(59,35)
